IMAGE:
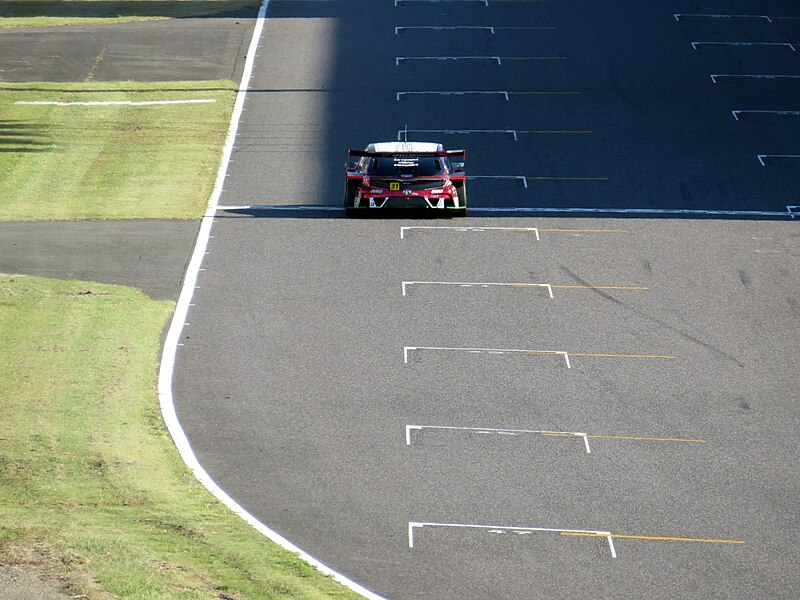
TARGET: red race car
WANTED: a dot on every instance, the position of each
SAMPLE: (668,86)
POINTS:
(406,175)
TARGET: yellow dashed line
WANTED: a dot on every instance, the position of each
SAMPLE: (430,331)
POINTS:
(622,355)
(627,437)
(600,287)
(645,439)
(654,537)
(585,230)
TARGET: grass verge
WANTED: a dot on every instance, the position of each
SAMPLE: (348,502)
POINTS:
(92,491)
(110,161)
(49,13)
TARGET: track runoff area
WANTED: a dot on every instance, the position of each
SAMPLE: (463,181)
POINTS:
(509,405)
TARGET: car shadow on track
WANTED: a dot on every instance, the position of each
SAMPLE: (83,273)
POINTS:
(335,212)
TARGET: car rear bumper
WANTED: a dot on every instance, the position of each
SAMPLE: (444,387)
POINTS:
(408,202)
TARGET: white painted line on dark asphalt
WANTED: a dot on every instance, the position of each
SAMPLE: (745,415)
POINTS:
(401,132)
(512,432)
(793,210)
(586,436)
(736,113)
(609,536)
(505,528)
(490,29)
(502,93)
(117,103)
(526,178)
(631,211)
(495,59)
(514,133)
(716,76)
(521,178)
(172,340)
(408,349)
(534,230)
(547,286)
(550,287)
(679,16)
(762,157)
(484,2)
(784,44)
(611,546)
(399,59)
(397,30)
(531,209)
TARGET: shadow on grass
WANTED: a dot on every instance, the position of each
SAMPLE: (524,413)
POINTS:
(127,8)
(22,137)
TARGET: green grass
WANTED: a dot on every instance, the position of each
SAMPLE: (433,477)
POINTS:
(110,162)
(92,491)
(49,13)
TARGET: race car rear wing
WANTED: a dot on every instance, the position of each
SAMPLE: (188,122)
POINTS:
(448,153)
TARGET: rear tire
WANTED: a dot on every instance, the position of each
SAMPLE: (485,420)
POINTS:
(350,191)
(461,190)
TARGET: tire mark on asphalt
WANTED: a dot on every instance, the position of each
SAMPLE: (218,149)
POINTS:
(664,324)
(744,278)
(97,61)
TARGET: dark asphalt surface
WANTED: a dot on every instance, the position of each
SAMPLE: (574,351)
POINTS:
(291,383)
(148,254)
(171,50)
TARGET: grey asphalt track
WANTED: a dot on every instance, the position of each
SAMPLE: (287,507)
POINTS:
(148,254)
(170,50)
(292,383)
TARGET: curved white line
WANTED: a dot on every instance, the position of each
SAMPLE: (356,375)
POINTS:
(176,327)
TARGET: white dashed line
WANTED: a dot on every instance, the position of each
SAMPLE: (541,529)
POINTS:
(762,157)
(679,16)
(502,93)
(534,230)
(397,30)
(783,44)
(716,76)
(399,59)
(491,430)
(407,350)
(511,529)
(736,113)
(547,286)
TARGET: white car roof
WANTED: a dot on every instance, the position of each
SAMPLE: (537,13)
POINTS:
(410,147)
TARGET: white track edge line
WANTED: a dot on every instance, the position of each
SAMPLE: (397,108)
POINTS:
(167,366)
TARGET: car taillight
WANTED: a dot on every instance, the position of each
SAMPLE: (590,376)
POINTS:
(365,183)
